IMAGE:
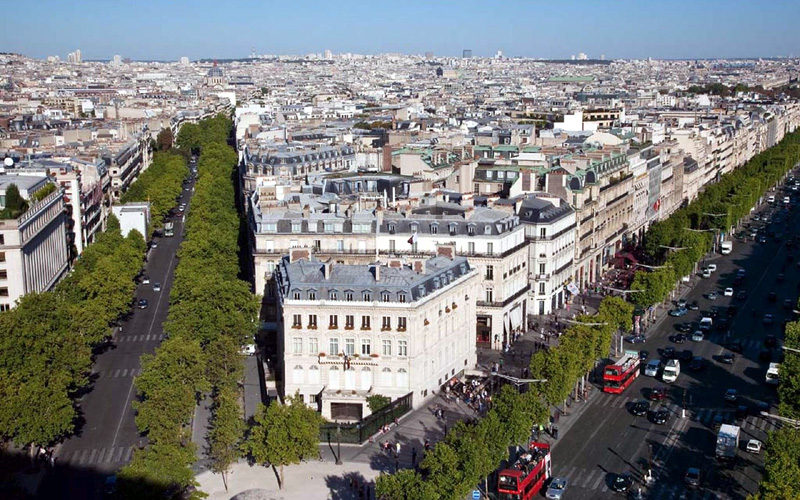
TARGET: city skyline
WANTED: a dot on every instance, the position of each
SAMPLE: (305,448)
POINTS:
(618,30)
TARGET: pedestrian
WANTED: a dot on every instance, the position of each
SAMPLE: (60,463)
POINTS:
(427,445)
(413,457)
(397,447)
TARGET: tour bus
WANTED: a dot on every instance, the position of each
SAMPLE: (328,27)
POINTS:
(526,477)
(621,374)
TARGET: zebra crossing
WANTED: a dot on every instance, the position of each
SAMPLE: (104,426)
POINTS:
(113,455)
(749,423)
(121,373)
(139,338)
(597,480)
(622,401)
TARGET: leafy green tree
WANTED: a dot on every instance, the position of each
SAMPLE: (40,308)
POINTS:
(155,470)
(284,434)
(377,402)
(15,203)
(781,466)
(190,137)
(225,434)
(44,192)
(789,388)
(406,484)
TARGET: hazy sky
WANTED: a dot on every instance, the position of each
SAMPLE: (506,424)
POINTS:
(169,29)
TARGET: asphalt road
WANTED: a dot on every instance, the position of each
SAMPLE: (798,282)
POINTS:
(105,441)
(608,439)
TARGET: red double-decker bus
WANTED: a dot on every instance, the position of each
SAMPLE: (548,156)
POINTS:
(526,477)
(621,374)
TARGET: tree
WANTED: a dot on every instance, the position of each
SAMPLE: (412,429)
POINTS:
(164,139)
(789,388)
(225,434)
(781,466)
(377,402)
(42,193)
(284,434)
(406,484)
(15,203)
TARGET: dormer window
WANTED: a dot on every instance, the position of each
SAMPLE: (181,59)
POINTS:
(453,229)
(333,295)
(312,295)
(367,296)
(487,229)
(348,296)
(434,229)
(471,230)
(385,296)
(401,297)
(296,294)
(392,229)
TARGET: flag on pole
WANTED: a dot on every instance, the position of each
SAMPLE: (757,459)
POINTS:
(413,239)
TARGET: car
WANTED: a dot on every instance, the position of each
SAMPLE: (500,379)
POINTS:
(677,313)
(731,395)
(697,336)
(742,295)
(770,340)
(146,280)
(110,485)
(669,352)
(736,346)
(692,477)
(780,277)
(156,287)
(712,267)
(728,358)
(657,394)
(679,338)
(248,350)
(556,488)
(742,412)
(621,483)
(754,446)
(686,355)
(681,304)
(697,363)
(787,303)
(142,304)
(765,354)
(741,272)
(728,292)
(660,416)
(772,297)
(640,408)
(643,355)
(705,273)
(635,339)
(683,327)
(762,239)
(768,319)
(694,306)
(718,420)
(154,244)
(712,296)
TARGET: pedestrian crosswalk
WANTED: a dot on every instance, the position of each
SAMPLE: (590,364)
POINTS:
(597,480)
(139,338)
(750,423)
(121,373)
(113,455)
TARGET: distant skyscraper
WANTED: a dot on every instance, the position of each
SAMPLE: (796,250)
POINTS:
(572,57)
(466,54)
(116,61)
(328,55)
(428,55)
(582,56)
(602,57)
(74,57)
(499,54)
(185,61)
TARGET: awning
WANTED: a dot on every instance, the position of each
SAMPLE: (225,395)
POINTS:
(516,317)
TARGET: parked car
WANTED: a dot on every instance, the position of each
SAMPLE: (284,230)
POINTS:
(712,267)
(657,393)
(754,446)
(728,292)
(694,306)
(697,363)
(768,319)
(640,408)
(679,338)
(697,336)
(731,396)
(681,303)
(643,355)
(683,327)
(728,358)
(556,488)
(621,483)
(669,352)
(660,417)
(692,477)
(686,355)
(712,296)
(146,280)
(635,339)
(156,287)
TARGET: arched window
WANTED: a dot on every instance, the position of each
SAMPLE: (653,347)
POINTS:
(334,375)
(313,375)
(386,377)
(402,378)
(297,374)
(366,378)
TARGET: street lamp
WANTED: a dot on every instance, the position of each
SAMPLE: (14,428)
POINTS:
(651,267)
(338,444)
(674,249)
(792,349)
(713,229)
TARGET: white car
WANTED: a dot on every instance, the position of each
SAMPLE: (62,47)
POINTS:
(712,267)
(754,446)
(728,292)
(249,349)
(146,280)
(697,336)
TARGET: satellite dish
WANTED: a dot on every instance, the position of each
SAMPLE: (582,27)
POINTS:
(8,162)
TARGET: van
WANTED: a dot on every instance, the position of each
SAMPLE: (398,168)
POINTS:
(772,374)
(651,369)
(705,324)
(671,371)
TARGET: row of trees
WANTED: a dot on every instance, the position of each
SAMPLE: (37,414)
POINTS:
(679,242)
(212,313)
(470,453)
(160,184)
(46,342)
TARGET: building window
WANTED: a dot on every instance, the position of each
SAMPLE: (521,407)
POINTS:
(471,247)
(367,297)
(313,345)
(349,346)
(349,321)
(297,375)
(313,378)
(296,321)
(543,232)
(365,322)
(297,227)
(333,321)
(387,347)
(434,229)
(2,239)
(401,323)
(391,245)
(541,287)
(402,348)
(296,295)
(340,245)
(312,320)
(348,296)
(386,323)
(385,296)
(332,295)
(3,274)
(328,227)
(401,297)
(312,295)
(333,346)
(489,295)
(297,345)
(487,229)
(5,307)
(333,377)
(490,248)
(366,347)
(386,377)
(471,230)
(489,272)
(542,267)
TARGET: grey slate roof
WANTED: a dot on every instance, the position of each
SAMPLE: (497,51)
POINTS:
(539,211)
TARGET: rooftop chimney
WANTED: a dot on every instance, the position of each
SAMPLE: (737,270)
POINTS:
(296,254)
(327,269)
(446,250)
(375,269)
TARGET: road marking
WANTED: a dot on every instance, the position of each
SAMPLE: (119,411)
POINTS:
(763,424)
(92,455)
(569,474)
(597,483)
(118,455)
(83,456)
(147,339)
(589,478)
(128,454)
(100,456)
